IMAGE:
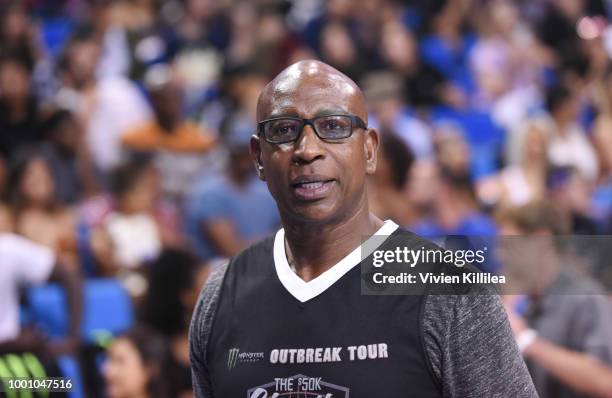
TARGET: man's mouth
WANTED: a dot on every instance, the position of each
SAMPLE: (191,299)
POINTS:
(311,187)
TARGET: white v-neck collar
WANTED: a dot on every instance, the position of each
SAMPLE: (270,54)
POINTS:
(304,291)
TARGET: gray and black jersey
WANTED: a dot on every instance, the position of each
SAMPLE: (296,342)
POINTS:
(260,331)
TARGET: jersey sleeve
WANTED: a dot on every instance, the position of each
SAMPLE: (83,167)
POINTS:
(199,332)
(471,348)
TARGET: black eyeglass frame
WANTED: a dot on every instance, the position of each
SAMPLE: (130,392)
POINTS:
(356,122)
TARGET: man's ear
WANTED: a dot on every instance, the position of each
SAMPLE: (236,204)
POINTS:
(370,147)
(255,150)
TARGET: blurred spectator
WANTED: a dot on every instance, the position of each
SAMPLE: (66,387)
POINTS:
(557,27)
(567,315)
(37,213)
(569,145)
(389,112)
(571,193)
(276,42)
(110,21)
(203,24)
(68,157)
(240,89)
(422,188)
(133,367)
(462,218)
(334,11)
(177,144)
(455,209)
(451,149)
(18,35)
(520,183)
(23,263)
(422,85)
(244,23)
(202,32)
(387,193)
(175,280)
(136,211)
(108,106)
(134,36)
(448,41)
(19,116)
(229,210)
(506,63)
(602,138)
(340,51)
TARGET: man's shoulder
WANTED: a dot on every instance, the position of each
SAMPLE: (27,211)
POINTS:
(244,262)
(243,271)
(258,253)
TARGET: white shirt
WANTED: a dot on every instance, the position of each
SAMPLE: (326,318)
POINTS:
(21,262)
(135,238)
(119,108)
(516,185)
(574,149)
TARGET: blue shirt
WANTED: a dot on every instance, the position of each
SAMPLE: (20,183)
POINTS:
(250,208)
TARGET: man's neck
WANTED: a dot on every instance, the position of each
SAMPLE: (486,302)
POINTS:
(312,249)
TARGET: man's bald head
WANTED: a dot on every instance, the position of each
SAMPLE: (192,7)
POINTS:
(313,179)
(310,81)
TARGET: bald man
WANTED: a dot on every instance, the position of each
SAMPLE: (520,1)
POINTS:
(287,317)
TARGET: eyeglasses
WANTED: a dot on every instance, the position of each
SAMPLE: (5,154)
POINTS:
(281,130)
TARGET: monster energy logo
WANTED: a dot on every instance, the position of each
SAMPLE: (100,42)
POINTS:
(232,358)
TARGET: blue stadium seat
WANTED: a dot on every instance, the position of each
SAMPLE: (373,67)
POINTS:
(47,309)
(107,307)
(71,370)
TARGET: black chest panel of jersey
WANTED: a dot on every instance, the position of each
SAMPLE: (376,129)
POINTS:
(265,343)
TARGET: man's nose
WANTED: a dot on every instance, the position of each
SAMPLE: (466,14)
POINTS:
(308,146)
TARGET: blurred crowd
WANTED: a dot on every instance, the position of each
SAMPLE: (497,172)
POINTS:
(125,127)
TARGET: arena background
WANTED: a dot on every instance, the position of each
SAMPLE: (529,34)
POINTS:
(124,129)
